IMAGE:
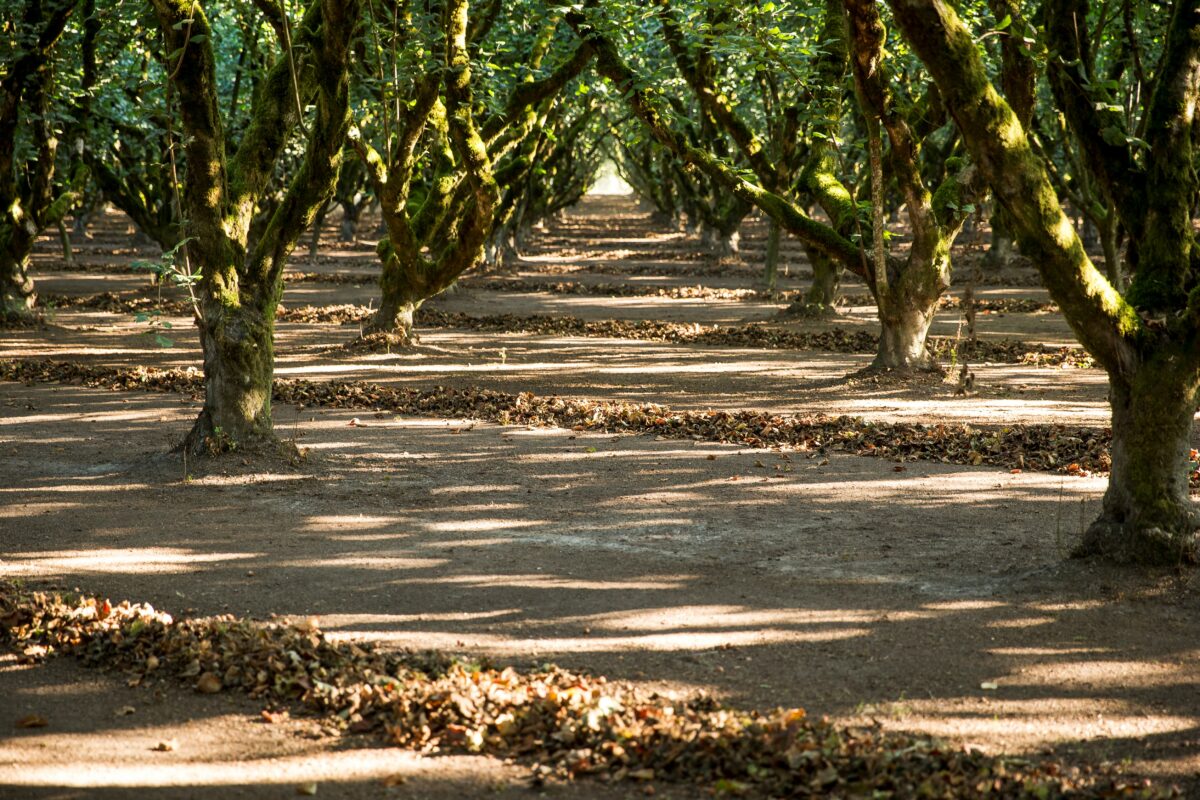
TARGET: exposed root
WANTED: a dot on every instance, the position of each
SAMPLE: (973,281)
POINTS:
(207,449)
(929,373)
(799,309)
(1128,543)
(381,342)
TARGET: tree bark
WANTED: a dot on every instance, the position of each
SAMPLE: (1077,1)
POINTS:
(396,317)
(239,365)
(27,201)
(902,334)
(17,294)
(1148,516)
(1001,250)
(314,243)
(826,281)
(771,262)
(348,231)
(1112,251)
(722,244)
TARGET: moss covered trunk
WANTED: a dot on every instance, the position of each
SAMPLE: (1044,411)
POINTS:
(826,281)
(240,285)
(396,318)
(722,243)
(402,290)
(17,296)
(348,230)
(771,261)
(908,301)
(239,359)
(1148,516)
(902,335)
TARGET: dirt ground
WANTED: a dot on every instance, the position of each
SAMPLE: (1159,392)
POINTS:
(835,583)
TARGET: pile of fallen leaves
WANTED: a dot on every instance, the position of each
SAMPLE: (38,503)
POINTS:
(1004,305)
(561,723)
(1074,450)
(347,314)
(368,278)
(17,321)
(997,305)
(610,289)
(751,335)
(119,303)
(707,270)
(1063,357)
(1001,305)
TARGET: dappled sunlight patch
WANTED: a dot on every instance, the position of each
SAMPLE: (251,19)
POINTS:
(14,511)
(608,642)
(340,523)
(1049,651)
(150,415)
(329,768)
(336,621)
(473,525)
(1072,605)
(142,560)
(1033,723)
(733,617)
(478,488)
(373,561)
(1021,622)
(1125,674)
(534,581)
(964,605)
(257,476)
(80,488)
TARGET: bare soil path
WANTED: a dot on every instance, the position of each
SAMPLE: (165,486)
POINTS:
(766,578)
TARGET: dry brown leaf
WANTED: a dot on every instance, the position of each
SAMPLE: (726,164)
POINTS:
(208,683)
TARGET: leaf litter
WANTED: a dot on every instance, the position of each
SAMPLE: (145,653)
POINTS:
(561,724)
(751,335)
(1073,450)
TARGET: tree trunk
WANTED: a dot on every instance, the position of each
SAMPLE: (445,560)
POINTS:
(826,280)
(1112,252)
(668,221)
(902,337)
(1002,250)
(314,244)
(80,226)
(64,238)
(1148,516)
(722,244)
(1089,233)
(771,265)
(238,344)
(395,317)
(17,295)
(348,232)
